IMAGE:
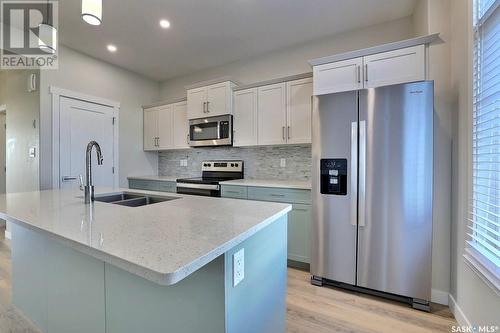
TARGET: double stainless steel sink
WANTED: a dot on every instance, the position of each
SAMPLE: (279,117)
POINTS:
(132,199)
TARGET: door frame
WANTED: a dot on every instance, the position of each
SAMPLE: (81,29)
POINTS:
(57,93)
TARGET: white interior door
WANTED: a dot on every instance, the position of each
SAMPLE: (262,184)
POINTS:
(81,122)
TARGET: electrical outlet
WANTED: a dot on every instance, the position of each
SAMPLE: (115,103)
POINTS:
(283,162)
(238,267)
(184,163)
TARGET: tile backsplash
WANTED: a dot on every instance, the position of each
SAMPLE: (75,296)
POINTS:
(260,162)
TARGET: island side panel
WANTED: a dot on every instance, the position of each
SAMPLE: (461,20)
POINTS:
(258,303)
(195,304)
(59,288)
(29,275)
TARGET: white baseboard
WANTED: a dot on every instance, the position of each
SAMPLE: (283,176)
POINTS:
(439,296)
(458,313)
(8,235)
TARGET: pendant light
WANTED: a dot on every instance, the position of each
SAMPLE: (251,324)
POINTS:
(92,11)
(47,34)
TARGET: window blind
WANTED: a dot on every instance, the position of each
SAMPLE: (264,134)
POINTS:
(484,227)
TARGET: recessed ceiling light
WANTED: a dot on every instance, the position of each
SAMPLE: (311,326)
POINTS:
(112,48)
(164,24)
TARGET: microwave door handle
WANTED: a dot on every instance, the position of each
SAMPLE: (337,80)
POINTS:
(218,131)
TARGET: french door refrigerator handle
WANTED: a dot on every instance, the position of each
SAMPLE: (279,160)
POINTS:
(354,173)
(362,174)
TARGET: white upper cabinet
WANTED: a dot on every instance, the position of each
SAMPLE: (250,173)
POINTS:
(338,76)
(298,110)
(166,127)
(180,126)
(245,118)
(393,67)
(376,70)
(196,103)
(209,101)
(150,128)
(272,114)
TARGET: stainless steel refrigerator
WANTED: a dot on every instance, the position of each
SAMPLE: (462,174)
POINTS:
(372,153)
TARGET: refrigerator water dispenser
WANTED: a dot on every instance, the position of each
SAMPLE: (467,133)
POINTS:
(333,176)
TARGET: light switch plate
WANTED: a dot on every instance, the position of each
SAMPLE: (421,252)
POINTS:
(238,267)
(283,162)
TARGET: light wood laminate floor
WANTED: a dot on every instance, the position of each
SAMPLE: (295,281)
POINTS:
(310,309)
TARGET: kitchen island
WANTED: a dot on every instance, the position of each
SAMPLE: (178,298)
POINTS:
(163,267)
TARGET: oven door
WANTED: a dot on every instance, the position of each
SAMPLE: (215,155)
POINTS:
(208,190)
(211,131)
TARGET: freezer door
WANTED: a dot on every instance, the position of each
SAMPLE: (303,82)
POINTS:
(395,189)
(334,139)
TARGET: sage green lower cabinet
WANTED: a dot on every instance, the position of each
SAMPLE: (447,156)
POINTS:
(152,185)
(299,219)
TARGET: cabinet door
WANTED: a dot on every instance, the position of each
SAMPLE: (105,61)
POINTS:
(196,100)
(299,243)
(338,76)
(272,114)
(219,99)
(180,126)
(165,126)
(150,128)
(298,110)
(245,118)
(393,67)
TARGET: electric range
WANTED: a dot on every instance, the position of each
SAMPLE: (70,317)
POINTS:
(212,173)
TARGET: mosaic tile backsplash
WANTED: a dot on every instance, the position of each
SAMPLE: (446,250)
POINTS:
(260,162)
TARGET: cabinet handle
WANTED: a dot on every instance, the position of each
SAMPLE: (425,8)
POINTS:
(158,141)
(204,107)
(187,139)
(283,132)
(366,72)
(358,71)
(288,132)
(300,209)
(234,192)
(277,195)
(208,110)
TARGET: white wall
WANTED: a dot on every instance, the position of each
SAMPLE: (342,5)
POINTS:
(473,302)
(90,76)
(22,110)
(293,60)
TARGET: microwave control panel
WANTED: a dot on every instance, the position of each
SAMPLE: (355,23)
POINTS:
(333,176)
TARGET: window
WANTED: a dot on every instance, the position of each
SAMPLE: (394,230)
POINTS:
(483,249)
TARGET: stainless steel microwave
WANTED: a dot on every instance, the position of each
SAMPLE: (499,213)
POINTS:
(211,131)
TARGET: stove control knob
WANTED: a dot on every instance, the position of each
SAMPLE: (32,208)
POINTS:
(205,165)
(236,164)
(232,165)
(209,164)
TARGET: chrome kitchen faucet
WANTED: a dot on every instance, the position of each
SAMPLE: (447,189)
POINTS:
(89,186)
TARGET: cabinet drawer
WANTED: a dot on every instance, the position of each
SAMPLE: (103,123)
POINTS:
(238,192)
(142,184)
(167,186)
(279,195)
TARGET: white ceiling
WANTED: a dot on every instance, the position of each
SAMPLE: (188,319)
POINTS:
(208,33)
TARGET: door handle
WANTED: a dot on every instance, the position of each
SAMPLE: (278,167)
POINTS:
(358,73)
(68,178)
(204,107)
(366,72)
(208,110)
(157,141)
(354,173)
(362,174)
(288,132)
(283,132)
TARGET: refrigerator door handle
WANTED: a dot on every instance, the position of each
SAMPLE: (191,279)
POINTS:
(362,173)
(354,173)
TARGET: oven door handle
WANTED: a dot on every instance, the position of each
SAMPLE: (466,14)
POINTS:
(199,186)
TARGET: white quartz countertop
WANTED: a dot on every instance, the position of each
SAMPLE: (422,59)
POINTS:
(294,184)
(164,242)
(159,178)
